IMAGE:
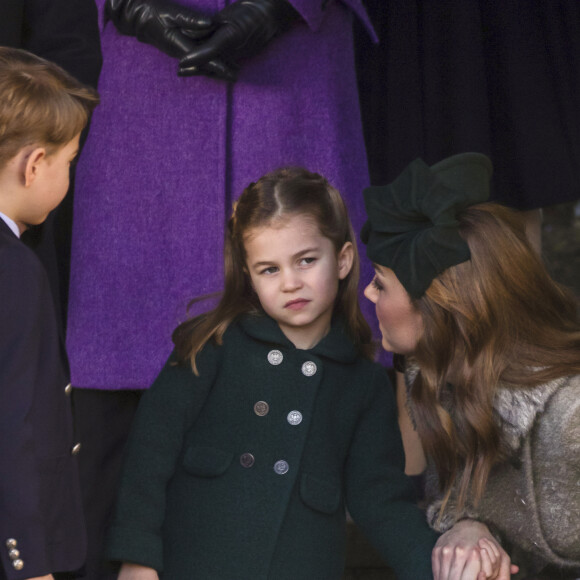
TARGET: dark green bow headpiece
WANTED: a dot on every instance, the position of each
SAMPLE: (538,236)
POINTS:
(412,225)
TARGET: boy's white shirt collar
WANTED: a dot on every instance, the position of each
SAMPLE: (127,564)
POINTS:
(11,224)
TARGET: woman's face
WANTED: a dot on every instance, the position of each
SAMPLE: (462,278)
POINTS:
(399,321)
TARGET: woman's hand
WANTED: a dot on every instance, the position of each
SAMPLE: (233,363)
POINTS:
(131,571)
(244,29)
(468,551)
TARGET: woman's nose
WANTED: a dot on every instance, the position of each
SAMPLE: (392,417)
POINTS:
(370,292)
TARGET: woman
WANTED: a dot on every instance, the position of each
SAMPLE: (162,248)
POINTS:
(493,365)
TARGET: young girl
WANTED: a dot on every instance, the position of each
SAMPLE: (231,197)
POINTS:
(269,418)
(493,370)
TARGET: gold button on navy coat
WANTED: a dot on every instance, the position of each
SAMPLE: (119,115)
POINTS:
(211,489)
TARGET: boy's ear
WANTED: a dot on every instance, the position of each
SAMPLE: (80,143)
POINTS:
(32,165)
(345,260)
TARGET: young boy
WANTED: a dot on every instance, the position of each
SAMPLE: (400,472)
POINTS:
(42,112)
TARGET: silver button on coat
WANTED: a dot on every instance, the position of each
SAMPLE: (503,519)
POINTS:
(76,449)
(281,467)
(309,368)
(294,417)
(275,357)
(11,543)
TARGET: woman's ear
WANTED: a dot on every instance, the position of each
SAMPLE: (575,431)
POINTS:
(32,164)
(345,260)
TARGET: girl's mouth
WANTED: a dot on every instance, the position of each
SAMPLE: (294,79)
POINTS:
(296,304)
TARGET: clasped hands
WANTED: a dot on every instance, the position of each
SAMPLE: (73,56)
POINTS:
(205,45)
(468,551)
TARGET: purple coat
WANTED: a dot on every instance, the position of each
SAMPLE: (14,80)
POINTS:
(164,160)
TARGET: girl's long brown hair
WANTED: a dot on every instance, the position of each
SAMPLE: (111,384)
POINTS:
(499,317)
(281,193)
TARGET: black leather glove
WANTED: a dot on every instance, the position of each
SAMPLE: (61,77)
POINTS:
(161,24)
(244,28)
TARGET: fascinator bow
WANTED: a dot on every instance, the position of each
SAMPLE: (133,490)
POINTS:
(412,225)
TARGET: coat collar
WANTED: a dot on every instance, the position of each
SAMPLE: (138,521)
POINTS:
(514,408)
(6,230)
(336,345)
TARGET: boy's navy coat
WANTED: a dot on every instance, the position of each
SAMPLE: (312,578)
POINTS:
(40,506)
(225,480)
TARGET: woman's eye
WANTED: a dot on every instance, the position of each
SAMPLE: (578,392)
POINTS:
(377,285)
(307,261)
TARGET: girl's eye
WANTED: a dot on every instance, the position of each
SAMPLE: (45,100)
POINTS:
(307,261)
(269,270)
(377,285)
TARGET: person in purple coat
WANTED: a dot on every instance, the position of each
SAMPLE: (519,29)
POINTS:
(167,155)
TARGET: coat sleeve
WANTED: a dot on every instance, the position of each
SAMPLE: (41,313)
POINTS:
(21,315)
(380,497)
(567,493)
(165,412)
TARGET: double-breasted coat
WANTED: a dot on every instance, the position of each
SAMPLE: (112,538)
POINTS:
(41,520)
(532,500)
(165,158)
(245,471)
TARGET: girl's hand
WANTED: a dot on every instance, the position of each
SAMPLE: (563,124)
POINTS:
(468,551)
(131,571)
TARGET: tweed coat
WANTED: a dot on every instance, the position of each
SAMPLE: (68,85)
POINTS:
(532,500)
(40,505)
(244,472)
(165,158)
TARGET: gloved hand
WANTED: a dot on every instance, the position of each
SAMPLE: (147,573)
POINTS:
(161,24)
(244,28)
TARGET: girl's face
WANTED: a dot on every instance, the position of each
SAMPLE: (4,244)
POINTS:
(295,271)
(399,321)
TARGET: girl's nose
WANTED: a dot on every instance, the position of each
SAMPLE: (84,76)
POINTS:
(290,281)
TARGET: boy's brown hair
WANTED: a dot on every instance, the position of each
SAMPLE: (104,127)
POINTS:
(39,103)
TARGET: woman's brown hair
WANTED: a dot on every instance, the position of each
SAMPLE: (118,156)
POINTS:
(277,195)
(496,318)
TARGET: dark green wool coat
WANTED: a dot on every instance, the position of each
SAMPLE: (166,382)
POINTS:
(217,487)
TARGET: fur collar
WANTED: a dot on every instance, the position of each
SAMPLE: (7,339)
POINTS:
(515,408)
